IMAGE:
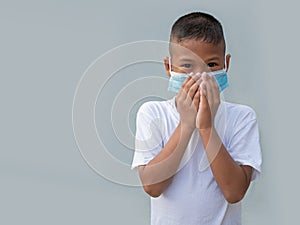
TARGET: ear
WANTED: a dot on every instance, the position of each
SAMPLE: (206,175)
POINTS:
(167,66)
(227,62)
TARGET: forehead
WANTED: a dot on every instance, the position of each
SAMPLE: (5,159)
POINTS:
(196,50)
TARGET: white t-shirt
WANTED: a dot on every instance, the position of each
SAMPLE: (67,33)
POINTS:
(193,197)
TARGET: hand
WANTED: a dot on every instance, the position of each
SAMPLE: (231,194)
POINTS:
(209,102)
(187,101)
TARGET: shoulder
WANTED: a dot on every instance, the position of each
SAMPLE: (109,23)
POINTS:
(237,115)
(239,111)
(156,107)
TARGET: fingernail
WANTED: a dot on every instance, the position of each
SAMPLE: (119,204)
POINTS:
(204,75)
(198,74)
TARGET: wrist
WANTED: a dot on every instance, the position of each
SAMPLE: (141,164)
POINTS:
(206,131)
(210,137)
(186,127)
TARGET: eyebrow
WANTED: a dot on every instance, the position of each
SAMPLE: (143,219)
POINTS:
(213,58)
(186,59)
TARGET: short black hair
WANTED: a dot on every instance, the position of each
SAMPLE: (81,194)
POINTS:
(198,26)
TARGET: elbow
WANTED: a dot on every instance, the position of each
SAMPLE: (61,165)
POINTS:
(152,188)
(233,197)
(152,191)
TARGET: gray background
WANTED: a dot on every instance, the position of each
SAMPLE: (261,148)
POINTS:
(47,45)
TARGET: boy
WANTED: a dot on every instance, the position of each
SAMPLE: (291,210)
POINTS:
(196,155)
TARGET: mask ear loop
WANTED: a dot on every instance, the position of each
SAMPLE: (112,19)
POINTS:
(170,68)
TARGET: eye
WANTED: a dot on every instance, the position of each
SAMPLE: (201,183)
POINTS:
(212,64)
(187,66)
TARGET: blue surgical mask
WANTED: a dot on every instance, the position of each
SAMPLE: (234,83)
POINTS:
(221,78)
(177,79)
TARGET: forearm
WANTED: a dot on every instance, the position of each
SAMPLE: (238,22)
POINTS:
(158,173)
(232,179)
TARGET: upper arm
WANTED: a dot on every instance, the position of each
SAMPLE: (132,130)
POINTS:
(148,136)
(244,144)
(140,169)
(248,174)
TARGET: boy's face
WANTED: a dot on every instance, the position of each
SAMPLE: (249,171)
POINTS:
(196,56)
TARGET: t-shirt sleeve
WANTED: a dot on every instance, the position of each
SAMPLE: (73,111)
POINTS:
(244,146)
(148,138)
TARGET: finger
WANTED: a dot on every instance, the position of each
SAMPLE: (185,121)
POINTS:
(182,93)
(203,100)
(196,76)
(208,88)
(196,99)
(186,87)
(185,82)
(193,90)
(203,83)
(215,86)
(203,88)
(215,94)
